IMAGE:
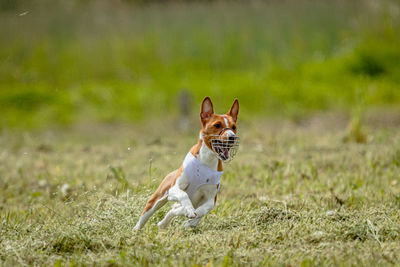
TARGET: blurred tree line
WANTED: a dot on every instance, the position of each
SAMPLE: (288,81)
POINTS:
(122,60)
(14,5)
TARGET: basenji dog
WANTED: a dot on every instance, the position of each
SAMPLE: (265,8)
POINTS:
(194,186)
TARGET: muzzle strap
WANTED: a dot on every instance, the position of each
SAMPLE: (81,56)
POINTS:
(224,129)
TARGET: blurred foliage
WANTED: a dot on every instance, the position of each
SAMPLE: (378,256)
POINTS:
(114,61)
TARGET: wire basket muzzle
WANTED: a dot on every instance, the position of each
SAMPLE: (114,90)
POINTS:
(225,147)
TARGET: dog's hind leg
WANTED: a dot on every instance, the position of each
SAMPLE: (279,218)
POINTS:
(157,200)
(152,206)
(177,210)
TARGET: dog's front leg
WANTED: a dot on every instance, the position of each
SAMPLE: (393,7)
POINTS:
(201,211)
(176,193)
(177,210)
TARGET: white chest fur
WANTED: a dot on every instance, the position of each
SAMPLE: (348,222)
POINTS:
(198,174)
(207,157)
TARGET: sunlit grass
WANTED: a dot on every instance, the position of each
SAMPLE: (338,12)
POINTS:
(293,195)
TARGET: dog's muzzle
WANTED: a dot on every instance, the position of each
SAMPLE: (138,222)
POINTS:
(225,147)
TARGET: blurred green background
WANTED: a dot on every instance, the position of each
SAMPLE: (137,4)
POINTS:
(67,62)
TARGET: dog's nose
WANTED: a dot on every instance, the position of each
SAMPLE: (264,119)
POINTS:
(229,133)
(230,136)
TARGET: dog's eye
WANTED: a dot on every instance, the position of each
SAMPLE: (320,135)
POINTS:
(217,125)
(233,127)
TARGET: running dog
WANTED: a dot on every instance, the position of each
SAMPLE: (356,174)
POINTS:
(194,186)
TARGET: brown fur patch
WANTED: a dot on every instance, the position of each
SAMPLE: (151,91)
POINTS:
(196,148)
(165,185)
(220,169)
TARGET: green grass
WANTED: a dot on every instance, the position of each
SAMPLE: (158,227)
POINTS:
(296,194)
(67,62)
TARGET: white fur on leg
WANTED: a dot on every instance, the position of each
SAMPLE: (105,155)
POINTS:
(201,211)
(146,216)
(177,210)
(177,194)
(143,219)
(205,208)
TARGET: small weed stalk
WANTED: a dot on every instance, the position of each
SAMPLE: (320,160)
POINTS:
(120,176)
(355,129)
(150,168)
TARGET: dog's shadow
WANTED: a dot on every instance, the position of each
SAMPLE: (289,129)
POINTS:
(262,218)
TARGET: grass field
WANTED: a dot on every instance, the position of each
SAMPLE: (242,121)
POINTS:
(296,194)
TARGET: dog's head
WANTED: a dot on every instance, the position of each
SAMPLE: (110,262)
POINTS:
(219,132)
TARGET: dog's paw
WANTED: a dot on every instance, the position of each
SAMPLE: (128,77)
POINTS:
(190,213)
(162,225)
(137,227)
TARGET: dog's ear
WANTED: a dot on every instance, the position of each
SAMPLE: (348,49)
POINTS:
(206,109)
(234,111)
